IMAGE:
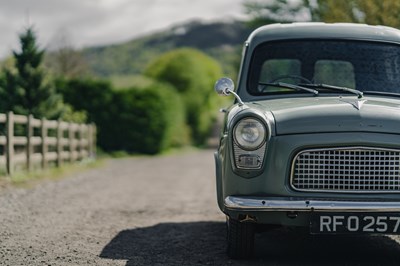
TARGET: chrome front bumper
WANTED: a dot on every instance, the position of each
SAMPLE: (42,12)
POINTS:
(283,205)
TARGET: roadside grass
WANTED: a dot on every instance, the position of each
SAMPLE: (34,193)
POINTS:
(171,151)
(23,178)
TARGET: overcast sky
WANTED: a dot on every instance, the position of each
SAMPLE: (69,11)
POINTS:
(97,22)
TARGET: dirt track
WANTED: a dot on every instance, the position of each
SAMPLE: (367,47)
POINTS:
(153,211)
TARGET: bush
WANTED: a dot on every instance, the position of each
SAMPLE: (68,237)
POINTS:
(193,74)
(144,119)
(93,96)
(147,120)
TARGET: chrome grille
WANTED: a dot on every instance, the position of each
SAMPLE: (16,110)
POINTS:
(347,170)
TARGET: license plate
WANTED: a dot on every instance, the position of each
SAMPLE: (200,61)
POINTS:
(355,223)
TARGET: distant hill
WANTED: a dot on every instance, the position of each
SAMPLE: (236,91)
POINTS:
(221,40)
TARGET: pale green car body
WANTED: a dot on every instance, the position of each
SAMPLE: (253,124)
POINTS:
(299,122)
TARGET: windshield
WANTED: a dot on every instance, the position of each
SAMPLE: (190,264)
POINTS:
(361,65)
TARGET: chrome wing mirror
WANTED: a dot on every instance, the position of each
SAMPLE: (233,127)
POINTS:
(225,86)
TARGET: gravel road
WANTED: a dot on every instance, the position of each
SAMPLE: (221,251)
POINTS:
(153,211)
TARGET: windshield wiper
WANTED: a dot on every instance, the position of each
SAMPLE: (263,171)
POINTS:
(330,87)
(382,93)
(289,86)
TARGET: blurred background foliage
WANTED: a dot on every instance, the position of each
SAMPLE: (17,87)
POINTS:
(374,12)
(145,118)
(192,74)
(154,93)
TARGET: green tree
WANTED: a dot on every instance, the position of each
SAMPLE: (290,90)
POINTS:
(65,61)
(10,99)
(25,86)
(193,75)
(275,11)
(380,12)
(374,12)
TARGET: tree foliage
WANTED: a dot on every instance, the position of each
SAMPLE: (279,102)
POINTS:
(141,119)
(267,12)
(374,12)
(24,89)
(385,12)
(147,120)
(193,74)
(10,99)
(65,61)
(98,101)
(97,94)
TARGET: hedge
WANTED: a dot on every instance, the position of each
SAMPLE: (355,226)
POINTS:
(147,119)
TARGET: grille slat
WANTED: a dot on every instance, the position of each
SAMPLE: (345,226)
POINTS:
(355,169)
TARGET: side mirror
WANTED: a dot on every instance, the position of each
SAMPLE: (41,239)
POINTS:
(224,86)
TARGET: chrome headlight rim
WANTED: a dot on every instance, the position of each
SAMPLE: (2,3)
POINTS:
(262,138)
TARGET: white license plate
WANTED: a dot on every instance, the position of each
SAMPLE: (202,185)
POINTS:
(355,223)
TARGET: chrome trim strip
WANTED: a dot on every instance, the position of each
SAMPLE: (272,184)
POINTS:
(279,204)
(339,191)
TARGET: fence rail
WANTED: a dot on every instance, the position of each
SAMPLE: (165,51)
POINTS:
(27,141)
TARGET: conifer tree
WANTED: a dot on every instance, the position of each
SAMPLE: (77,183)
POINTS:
(25,86)
(10,96)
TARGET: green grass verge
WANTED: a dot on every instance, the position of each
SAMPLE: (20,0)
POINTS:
(22,178)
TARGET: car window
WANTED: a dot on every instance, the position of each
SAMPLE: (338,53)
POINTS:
(276,70)
(334,72)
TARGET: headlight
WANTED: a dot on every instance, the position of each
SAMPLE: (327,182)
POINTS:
(249,134)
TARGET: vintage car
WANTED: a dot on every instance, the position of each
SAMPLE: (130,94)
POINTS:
(313,137)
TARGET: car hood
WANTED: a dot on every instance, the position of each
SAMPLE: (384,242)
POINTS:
(334,114)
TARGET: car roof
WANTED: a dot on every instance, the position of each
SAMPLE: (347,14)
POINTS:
(317,30)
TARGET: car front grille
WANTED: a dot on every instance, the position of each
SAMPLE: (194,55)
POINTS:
(355,169)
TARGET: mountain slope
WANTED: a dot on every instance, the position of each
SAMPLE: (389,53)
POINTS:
(220,40)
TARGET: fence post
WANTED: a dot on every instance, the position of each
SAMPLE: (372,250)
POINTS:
(91,140)
(59,143)
(78,141)
(71,139)
(94,139)
(44,143)
(29,146)
(10,143)
(82,138)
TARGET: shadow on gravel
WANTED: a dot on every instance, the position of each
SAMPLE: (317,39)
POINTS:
(203,243)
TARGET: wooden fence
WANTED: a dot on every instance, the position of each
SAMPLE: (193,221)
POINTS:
(28,142)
